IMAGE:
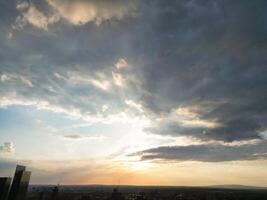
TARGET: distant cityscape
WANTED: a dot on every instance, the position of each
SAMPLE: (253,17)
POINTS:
(19,189)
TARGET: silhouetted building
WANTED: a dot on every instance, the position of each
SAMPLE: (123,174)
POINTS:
(20,184)
(54,193)
(4,187)
(85,197)
(141,196)
(116,195)
(41,195)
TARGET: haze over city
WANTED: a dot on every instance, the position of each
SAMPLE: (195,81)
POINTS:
(134,92)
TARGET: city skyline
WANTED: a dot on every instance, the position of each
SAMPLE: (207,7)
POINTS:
(134,92)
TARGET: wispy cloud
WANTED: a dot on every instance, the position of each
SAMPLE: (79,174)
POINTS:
(86,137)
(6,77)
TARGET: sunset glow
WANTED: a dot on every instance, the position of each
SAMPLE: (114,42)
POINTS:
(134,92)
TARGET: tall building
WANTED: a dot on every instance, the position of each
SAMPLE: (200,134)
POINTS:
(24,185)
(4,187)
(20,184)
(116,195)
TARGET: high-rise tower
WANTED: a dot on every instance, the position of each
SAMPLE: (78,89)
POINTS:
(4,187)
(20,184)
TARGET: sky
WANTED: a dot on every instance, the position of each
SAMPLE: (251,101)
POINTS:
(138,92)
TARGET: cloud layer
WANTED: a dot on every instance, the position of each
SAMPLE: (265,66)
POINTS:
(207,152)
(81,12)
(74,12)
(192,68)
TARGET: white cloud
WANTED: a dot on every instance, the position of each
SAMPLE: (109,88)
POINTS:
(98,80)
(39,104)
(199,123)
(189,118)
(121,63)
(118,79)
(102,84)
(75,113)
(20,23)
(59,76)
(81,12)
(5,77)
(105,108)
(78,12)
(22,5)
(26,81)
(33,16)
(135,105)
(7,148)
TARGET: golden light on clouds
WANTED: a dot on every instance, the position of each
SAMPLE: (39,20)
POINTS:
(81,12)
(121,63)
(104,90)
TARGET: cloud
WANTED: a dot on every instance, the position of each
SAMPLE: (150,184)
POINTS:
(121,63)
(99,80)
(7,148)
(206,130)
(134,105)
(207,152)
(118,79)
(5,77)
(33,16)
(79,136)
(209,60)
(193,69)
(81,12)
(75,12)
(73,136)
(93,91)
(39,104)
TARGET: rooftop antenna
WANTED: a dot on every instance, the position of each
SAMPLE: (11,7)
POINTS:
(59,180)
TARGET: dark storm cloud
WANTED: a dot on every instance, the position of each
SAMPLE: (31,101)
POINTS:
(206,152)
(227,130)
(209,56)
